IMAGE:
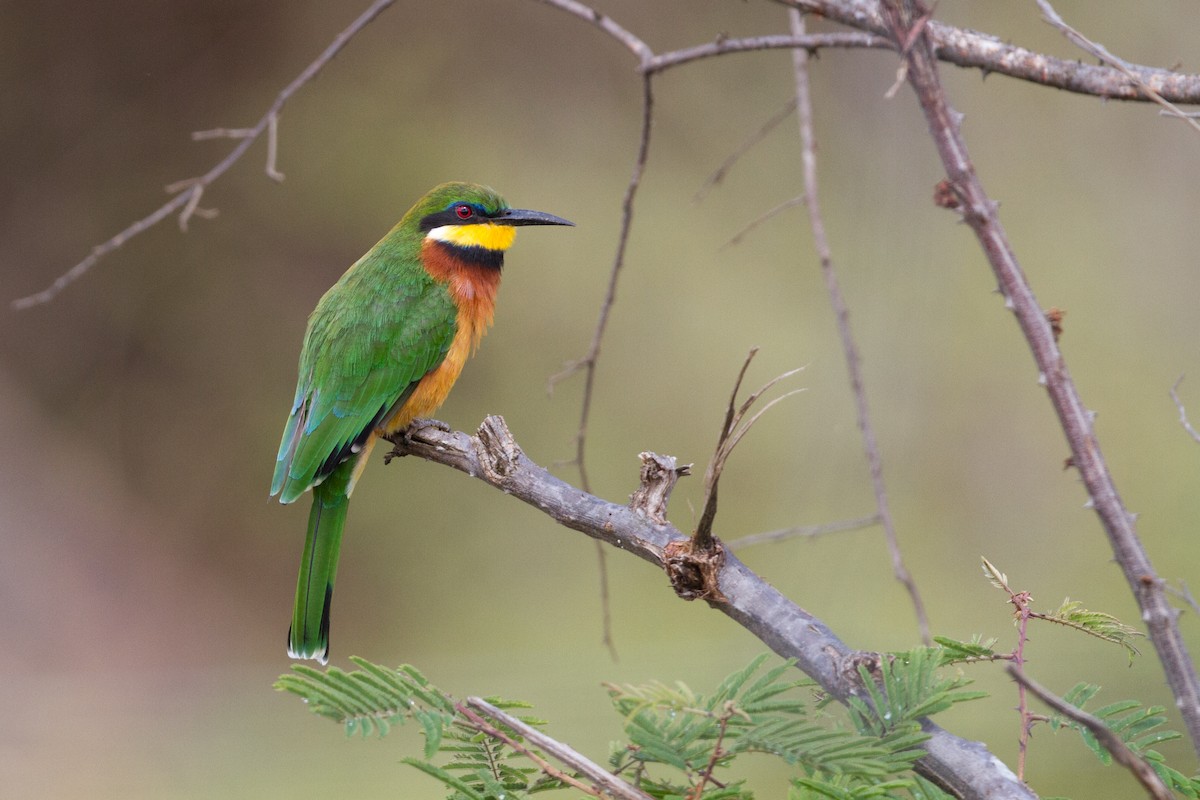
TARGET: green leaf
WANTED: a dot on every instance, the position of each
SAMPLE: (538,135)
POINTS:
(1102,626)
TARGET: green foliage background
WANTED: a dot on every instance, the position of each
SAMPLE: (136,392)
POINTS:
(147,581)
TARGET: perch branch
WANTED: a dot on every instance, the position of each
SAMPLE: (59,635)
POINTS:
(979,211)
(964,768)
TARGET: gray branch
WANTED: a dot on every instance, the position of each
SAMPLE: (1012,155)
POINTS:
(966,769)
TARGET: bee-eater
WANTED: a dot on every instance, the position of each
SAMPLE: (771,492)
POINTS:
(383,347)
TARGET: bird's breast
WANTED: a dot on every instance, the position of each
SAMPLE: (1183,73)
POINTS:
(472,286)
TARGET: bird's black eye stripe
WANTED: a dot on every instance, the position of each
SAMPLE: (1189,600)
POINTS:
(458,213)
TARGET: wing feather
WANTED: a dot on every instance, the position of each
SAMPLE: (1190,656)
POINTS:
(358,363)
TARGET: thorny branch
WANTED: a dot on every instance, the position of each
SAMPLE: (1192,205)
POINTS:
(979,212)
(1111,742)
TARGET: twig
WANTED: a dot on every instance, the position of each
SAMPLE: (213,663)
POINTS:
(1183,418)
(806,531)
(1185,594)
(718,750)
(811,42)
(842,313)
(732,431)
(718,174)
(1020,602)
(761,218)
(588,363)
(1111,742)
(493,456)
(615,788)
(1102,53)
(631,42)
(607,782)
(979,212)
(188,199)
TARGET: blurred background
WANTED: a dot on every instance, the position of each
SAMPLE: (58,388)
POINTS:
(147,580)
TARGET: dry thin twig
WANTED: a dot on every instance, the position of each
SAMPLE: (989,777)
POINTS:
(1183,417)
(849,347)
(733,429)
(1102,53)
(805,531)
(1111,742)
(979,211)
(766,216)
(718,174)
(723,46)
(186,201)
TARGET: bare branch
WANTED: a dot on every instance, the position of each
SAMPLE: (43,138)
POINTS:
(841,312)
(187,200)
(1111,742)
(963,768)
(979,212)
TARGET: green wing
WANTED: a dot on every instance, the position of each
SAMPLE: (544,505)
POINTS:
(369,342)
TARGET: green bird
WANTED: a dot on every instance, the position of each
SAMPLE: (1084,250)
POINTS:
(383,347)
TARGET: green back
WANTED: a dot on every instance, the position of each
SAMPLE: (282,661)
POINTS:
(371,338)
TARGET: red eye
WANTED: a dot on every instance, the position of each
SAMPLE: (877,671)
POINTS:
(464,211)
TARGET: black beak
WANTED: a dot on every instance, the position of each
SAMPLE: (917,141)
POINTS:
(522,216)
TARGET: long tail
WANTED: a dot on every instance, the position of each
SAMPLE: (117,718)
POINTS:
(308,636)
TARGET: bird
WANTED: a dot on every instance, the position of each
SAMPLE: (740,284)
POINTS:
(382,348)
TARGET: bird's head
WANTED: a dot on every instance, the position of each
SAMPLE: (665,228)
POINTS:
(469,215)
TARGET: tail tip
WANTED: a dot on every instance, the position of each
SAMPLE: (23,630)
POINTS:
(308,651)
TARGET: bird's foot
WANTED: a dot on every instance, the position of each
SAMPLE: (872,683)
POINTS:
(404,439)
(418,424)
